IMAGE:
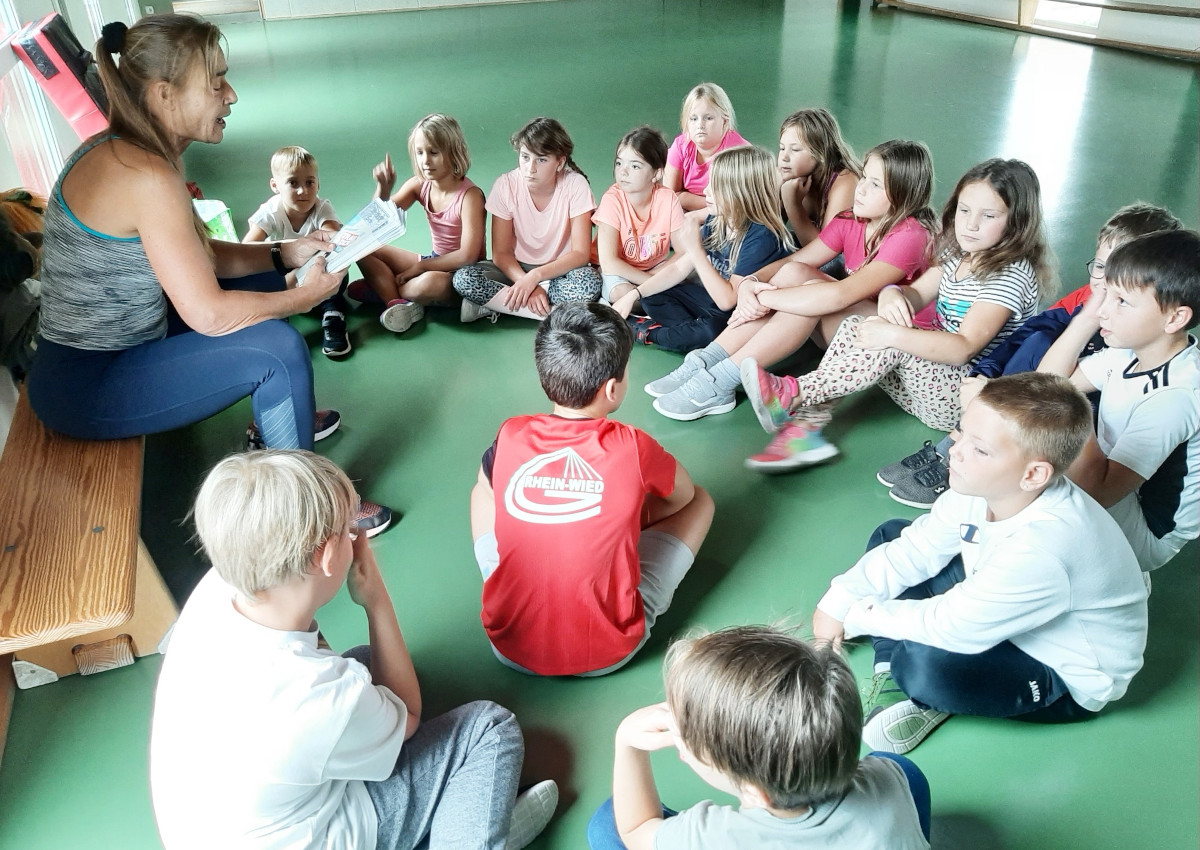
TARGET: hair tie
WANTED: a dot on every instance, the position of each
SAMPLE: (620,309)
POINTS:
(112,36)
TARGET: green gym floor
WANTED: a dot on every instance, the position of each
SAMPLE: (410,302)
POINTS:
(1102,128)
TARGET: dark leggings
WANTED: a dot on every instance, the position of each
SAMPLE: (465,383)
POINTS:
(1000,682)
(689,317)
(180,379)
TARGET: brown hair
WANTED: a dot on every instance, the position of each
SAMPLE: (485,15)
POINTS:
(1167,262)
(1051,419)
(547,137)
(1134,220)
(745,188)
(1024,238)
(908,182)
(648,143)
(767,709)
(833,155)
(578,347)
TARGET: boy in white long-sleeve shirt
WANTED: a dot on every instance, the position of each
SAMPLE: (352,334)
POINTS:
(1017,596)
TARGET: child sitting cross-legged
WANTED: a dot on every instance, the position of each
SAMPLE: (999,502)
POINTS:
(262,738)
(1143,462)
(1017,596)
(583,527)
(774,721)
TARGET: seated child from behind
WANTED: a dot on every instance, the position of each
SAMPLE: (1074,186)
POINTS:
(1143,462)
(770,719)
(583,526)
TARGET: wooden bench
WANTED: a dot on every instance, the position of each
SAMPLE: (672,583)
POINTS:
(78,590)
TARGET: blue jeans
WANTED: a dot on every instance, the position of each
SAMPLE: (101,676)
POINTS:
(602,828)
(180,379)
(689,317)
(1000,682)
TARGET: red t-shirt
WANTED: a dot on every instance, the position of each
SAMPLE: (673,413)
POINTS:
(569,494)
(1073,300)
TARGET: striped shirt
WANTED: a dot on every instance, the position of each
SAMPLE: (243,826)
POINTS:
(99,292)
(1014,288)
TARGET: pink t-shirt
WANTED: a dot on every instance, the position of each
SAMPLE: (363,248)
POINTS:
(542,235)
(446,226)
(643,243)
(682,155)
(903,247)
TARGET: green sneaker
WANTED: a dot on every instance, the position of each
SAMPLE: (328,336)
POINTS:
(882,692)
(900,727)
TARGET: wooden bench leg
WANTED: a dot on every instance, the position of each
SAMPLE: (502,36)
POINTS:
(154,611)
(8,686)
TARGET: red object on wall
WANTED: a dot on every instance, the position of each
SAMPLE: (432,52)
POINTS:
(66,72)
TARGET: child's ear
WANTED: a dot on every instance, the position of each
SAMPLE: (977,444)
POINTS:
(753,797)
(1178,319)
(610,389)
(323,558)
(658,176)
(274,187)
(1038,474)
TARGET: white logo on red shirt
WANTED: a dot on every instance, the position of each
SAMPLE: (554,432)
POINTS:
(554,488)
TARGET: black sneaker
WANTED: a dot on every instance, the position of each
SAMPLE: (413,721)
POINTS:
(334,341)
(921,489)
(325,422)
(372,519)
(901,469)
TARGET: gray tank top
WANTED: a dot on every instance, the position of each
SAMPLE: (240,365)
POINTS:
(98,291)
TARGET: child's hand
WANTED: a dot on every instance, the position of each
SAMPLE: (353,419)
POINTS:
(650,728)
(749,308)
(385,177)
(689,232)
(894,307)
(624,304)
(1091,308)
(364,580)
(969,389)
(875,334)
(522,291)
(827,631)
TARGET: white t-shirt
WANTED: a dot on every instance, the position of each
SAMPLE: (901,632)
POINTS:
(1014,287)
(274,221)
(261,740)
(1058,580)
(877,813)
(1150,422)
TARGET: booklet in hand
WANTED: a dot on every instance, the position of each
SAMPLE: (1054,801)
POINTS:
(376,224)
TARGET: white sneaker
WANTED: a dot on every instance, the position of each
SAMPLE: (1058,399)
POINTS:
(471,311)
(532,811)
(401,314)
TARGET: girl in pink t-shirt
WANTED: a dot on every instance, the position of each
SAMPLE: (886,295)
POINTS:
(708,125)
(541,232)
(884,239)
(637,216)
(454,207)
(817,171)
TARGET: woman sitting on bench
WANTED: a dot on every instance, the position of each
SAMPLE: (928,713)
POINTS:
(122,240)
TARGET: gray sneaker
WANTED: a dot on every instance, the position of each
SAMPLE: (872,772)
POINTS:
(692,364)
(904,468)
(921,489)
(401,315)
(699,396)
(471,311)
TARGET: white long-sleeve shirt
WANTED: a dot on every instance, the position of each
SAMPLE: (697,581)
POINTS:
(1059,580)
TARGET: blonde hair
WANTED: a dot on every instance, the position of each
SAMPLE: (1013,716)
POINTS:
(767,709)
(908,183)
(715,95)
(261,516)
(745,189)
(833,155)
(158,48)
(290,157)
(1051,419)
(445,134)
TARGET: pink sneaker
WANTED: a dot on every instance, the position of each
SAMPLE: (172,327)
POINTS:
(771,396)
(793,446)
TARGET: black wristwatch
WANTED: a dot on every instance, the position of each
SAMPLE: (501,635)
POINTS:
(277,258)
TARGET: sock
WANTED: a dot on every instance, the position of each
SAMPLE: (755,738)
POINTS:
(496,305)
(712,354)
(883,667)
(943,447)
(727,376)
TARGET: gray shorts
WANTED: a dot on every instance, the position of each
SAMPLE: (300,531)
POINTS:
(664,559)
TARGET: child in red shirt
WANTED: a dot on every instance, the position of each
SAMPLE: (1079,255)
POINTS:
(583,526)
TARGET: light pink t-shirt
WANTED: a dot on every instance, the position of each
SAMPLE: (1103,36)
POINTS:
(542,235)
(682,155)
(643,243)
(903,247)
(445,227)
